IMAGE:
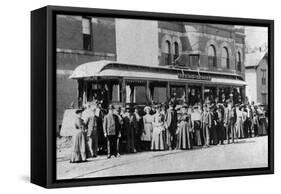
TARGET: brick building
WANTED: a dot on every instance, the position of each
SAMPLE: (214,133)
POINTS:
(199,50)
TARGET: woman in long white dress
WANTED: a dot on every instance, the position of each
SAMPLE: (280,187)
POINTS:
(239,123)
(157,142)
(147,128)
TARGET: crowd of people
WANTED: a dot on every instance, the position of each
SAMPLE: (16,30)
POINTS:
(163,127)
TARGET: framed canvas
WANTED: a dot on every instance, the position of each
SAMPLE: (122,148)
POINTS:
(126,96)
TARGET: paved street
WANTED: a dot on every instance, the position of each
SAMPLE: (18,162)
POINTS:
(243,154)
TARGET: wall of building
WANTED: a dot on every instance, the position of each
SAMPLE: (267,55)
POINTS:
(196,38)
(262,88)
(251,87)
(137,41)
(70,53)
(255,89)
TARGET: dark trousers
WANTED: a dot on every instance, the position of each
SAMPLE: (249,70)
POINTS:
(138,142)
(173,139)
(130,140)
(220,132)
(112,146)
(213,135)
(256,128)
(247,128)
(198,133)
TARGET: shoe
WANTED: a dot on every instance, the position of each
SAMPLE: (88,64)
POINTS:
(108,157)
(117,155)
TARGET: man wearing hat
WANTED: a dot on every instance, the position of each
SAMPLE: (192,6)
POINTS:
(136,124)
(220,119)
(206,124)
(99,113)
(111,129)
(196,125)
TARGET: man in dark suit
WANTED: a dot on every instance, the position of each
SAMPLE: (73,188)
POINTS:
(111,129)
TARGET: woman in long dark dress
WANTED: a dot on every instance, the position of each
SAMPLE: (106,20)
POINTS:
(184,129)
(214,127)
(220,127)
(78,153)
(262,130)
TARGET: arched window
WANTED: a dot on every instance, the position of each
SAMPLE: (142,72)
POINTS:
(167,53)
(212,59)
(225,58)
(239,63)
(176,49)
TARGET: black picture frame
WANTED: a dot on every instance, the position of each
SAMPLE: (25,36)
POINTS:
(43,96)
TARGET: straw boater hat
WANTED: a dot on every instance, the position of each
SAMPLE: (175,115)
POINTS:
(146,108)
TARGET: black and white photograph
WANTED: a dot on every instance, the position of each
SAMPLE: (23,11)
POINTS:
(140,97)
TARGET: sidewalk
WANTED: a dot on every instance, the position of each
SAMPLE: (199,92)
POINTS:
(243,154)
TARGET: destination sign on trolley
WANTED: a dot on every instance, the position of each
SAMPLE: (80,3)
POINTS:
(197,77)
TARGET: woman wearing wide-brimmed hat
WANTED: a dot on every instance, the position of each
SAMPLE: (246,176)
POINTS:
(78,152)
(129,129)
(262,120)
(157,141)
(184,129)
(147,128)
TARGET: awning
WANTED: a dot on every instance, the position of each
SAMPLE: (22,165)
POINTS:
(90,69)
(228,81)
(103,69)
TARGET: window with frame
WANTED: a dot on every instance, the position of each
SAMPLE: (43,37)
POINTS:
(159,94)
(263,96)
(115,93)
(167,53)
(239,62)
(225,58)
(194,60)
(87,33)
(263,78)
(176,48)
(212,59)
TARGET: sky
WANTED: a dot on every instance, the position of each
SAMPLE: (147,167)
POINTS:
(256,36)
